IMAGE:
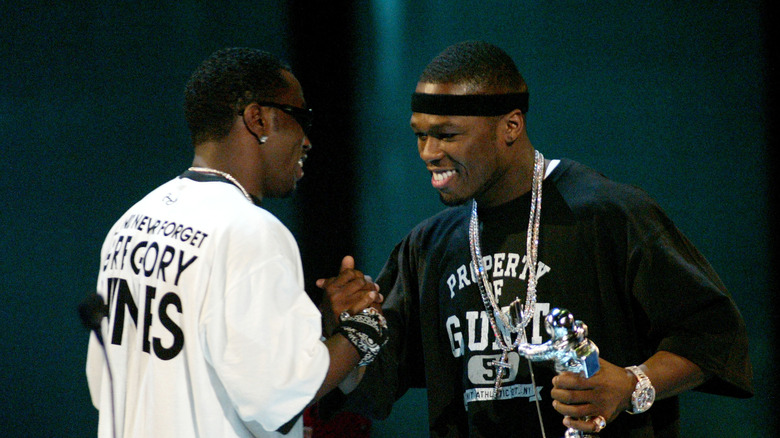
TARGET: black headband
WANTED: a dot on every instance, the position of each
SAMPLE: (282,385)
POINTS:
(484,105)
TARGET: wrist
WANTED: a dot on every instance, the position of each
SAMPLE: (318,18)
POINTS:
(629,386)
(643,394)
(366,331)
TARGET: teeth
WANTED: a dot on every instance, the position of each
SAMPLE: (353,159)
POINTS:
(441,176)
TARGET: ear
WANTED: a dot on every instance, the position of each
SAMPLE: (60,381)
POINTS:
(513,125)
(257,119)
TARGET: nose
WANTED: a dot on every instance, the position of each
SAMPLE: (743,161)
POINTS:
(428,149)
(307,146)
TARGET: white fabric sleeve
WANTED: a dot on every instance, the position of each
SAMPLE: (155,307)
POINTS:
(264,345)
(96,364)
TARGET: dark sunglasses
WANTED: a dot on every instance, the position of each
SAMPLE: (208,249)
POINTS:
(303,116)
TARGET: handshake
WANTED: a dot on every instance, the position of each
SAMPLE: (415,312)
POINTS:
(351,306)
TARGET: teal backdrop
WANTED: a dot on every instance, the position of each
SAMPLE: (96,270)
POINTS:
(674,97)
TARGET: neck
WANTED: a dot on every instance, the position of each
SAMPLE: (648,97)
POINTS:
(223,157)
(210,155)
(513,183)
(228,177)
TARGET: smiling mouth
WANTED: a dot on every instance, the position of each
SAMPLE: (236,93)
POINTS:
(440,179)
(443,176)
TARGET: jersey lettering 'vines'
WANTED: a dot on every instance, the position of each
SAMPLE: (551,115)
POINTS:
(162,264)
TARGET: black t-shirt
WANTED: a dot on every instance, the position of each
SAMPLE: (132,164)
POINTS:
(607,253)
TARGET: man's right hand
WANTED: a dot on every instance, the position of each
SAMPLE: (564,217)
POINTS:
(351,291)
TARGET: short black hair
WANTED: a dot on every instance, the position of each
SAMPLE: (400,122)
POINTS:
(224,84)
(481,65)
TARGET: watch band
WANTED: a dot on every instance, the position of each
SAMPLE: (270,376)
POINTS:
(644,392)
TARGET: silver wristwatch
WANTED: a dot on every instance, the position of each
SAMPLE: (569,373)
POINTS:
(644,393)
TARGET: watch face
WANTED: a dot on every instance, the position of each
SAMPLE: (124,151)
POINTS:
(644,393)
(643,399)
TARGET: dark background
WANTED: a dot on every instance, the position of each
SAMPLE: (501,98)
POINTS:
(674,97)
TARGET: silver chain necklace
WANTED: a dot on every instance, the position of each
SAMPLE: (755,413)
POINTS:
(520,315)
(225,175)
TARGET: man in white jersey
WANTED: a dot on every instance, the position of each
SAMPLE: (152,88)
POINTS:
(208,330)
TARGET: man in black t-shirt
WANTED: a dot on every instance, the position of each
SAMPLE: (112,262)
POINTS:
(537,234)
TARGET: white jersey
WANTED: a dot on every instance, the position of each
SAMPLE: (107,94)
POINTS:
(210,332)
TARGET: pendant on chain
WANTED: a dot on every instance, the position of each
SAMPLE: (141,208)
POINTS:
(501,365)
(520,314)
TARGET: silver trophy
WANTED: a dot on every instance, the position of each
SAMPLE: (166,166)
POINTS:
(568,348)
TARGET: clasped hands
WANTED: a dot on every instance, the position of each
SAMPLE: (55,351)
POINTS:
(351,291)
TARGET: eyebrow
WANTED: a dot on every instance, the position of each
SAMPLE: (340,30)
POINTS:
(435,127)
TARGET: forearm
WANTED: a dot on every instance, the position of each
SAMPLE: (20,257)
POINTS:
(344,358)
(669,374)
(672,374)
(608,393)
(352,380)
